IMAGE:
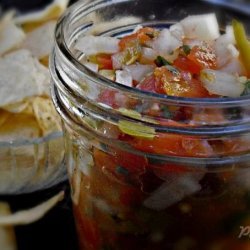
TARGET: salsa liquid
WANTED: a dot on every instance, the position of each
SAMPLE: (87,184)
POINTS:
(120,203)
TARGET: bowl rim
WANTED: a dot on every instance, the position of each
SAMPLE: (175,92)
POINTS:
(31,141)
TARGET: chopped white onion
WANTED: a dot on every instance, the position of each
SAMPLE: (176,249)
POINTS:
(234,66)
(139,71)
(102,205)
(230,34)
(174,189)
(177,31)
(193,42)
(91,45)
(203,27)
(148,54)
(221,83)
(224,49)
(91,66)
(117,60)
(86,162)
(124,77)
(232,50)
(166,43)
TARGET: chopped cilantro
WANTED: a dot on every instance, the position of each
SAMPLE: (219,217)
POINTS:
(186,49)
(161,61)
(151,35)
(166,113)
(234,113)
(247,88)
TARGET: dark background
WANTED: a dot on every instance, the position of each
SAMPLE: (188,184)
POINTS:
(56,230)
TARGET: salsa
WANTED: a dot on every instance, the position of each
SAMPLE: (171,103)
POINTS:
(129,200)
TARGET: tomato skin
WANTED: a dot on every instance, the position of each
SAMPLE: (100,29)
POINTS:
(104,61)
(107,97)
(196,90)
(130,165)
(130,196)
(126,41)
(171,144)
(204,56)
(140,36)
(178,84)
(149,84)
(185,64)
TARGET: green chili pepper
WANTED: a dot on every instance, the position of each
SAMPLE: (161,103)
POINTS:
(161,61)
(136,129)
(186,49)
(242,43)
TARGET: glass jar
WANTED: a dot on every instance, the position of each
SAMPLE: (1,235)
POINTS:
(177,178)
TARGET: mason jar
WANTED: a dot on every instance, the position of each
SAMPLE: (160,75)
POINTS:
(177,179)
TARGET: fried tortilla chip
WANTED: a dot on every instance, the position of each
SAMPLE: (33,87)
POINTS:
(31,215)
(18,107)
(3,116)
(7,234)
(22,76)
(19,126)
(11,36)
(33,20)
(40,41)
(46,115)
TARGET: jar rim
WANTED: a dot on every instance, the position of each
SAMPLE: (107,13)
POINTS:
(61,44)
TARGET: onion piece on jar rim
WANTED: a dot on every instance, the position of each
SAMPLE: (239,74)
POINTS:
(139,71)
(91,45)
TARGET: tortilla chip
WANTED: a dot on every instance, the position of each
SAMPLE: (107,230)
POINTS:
(19,126)
(22,76)
(18,107)
(3,116)
(40,41)
(31,215)
(33,20)
(46,115)
(11,36)
(7,234)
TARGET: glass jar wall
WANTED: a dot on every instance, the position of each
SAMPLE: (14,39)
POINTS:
(175,179)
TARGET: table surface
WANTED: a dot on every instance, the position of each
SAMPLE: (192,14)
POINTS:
(56,230)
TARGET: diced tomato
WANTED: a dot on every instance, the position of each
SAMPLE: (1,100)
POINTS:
(136,164)
(127,40)
(107,96)
(142,36)
(104,61)
(130,196)
(204,56)
(149,84)
(145,34)
(122,165)
(195,90)
(171,144)
(185,64)
(177,84)
(200,57)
